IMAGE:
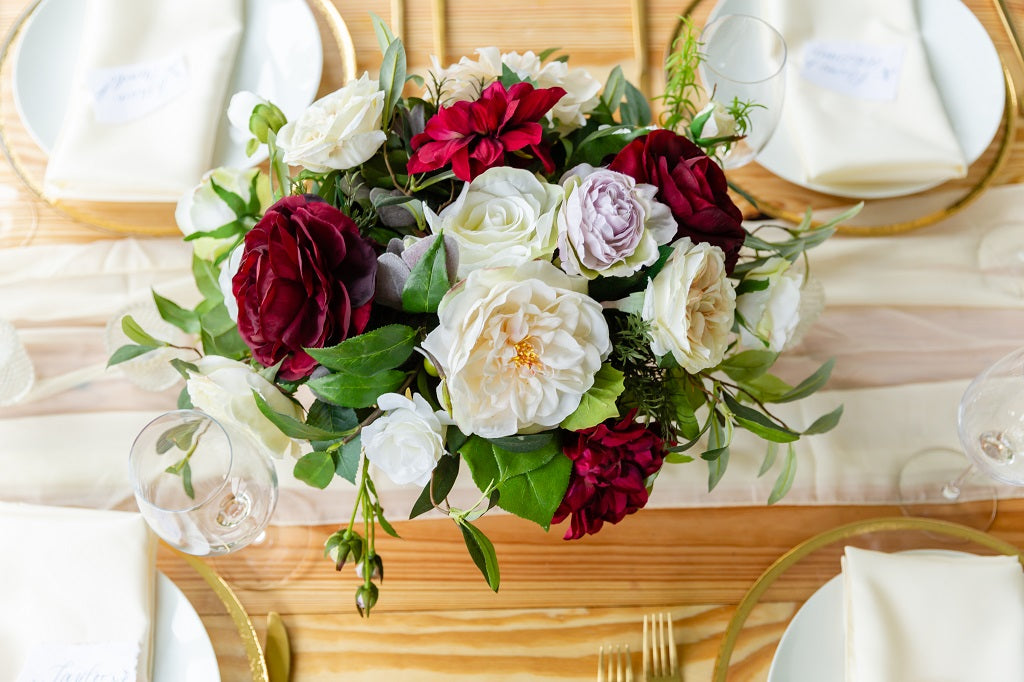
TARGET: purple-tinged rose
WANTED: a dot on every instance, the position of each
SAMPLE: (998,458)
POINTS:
(306,280)
(610,225)
(691,184)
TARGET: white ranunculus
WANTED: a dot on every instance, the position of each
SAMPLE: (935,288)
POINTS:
(201,210)
(518,347)
(772,314)
(465,80)
(505,216)
(609,225)
(690,306)
(407,440)
(228,268)
(338,131)
(222,388)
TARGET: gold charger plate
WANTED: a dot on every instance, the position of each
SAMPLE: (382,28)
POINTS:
(778,198)
(150,219)
(764,613)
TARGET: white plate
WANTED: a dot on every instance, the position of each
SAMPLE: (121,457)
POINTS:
(280,58)
(182,647)
(969,79)
(812,648)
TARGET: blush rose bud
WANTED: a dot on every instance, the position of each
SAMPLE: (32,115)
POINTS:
(366,597)
(378,568)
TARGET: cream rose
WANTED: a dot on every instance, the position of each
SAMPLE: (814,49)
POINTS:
(201,210)
(339,131)
(771,315)
(518,347)
(222,388)
(690,306)
(505,216)
(406,442)
(609,225)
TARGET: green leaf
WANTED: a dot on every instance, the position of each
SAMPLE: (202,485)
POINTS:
(348,459)
(316,469)
(757,423)
(785,480)
(531,484)
(825,422)
(598,403)
(184,400)
(134,331)
(767,388)
(185,320)
(179,436)
(769,459)
(635,111)
(749,285)
(369,353)
(206,276)
(226,230)
(290,426)
(717,455)
(354,390)
(482,552)
(186,480)
(748,365)
(183,368)
(384,523)
(392,78)
(614,90)
(428,281)
(383,32)
(810,384)
(331,417)
(526,442)
(228,343)
(439,485)
(127,352)
(543,56)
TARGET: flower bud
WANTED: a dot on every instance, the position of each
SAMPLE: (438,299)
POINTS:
(265,116)
(366,597)
(378,568)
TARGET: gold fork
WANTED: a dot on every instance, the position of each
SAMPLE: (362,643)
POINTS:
(618,667)
(661,662)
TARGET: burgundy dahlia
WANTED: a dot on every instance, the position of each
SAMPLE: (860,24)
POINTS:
(610,463)
(306,280)
(690,184)
(475,136)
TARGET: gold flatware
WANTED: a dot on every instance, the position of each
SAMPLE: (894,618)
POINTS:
(661,660)
(617,667)
(278,650)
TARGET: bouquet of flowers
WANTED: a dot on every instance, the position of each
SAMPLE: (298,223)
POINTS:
(513,276)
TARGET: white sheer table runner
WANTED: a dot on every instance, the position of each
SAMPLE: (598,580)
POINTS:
(909,320)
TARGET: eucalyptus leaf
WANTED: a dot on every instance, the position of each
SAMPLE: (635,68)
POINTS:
(392,78)
(382,31)
(758,423)
(134,331)
(614,89)
(127,352)
(810,384)
(825,422)
(748,365)
(769,459)
(635,110)
(785,479)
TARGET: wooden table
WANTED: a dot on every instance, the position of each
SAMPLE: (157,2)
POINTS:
(436,619)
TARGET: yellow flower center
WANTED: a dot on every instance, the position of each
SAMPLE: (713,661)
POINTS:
(525,355)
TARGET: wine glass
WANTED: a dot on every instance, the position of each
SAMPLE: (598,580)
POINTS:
(990,426)
(742,66)
(203,490)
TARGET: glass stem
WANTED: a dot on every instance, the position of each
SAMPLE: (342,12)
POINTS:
(951,490)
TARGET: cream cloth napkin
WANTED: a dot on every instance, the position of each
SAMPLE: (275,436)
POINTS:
(74,576)
(150,89)
(860,103)
(933,618)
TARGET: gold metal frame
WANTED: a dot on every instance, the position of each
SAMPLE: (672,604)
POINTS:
(1008,128)
(342,42)
(846,532)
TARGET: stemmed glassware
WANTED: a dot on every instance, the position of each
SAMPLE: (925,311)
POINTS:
(743,67)
(990,425)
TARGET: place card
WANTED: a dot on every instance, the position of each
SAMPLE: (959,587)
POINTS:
(95,662)
(862,70)
(126,93)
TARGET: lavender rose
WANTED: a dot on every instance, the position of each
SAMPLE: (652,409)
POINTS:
(610,224)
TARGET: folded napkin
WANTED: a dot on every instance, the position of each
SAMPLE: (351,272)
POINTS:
(149,91)
(919,617)
(860,103)
(78,583)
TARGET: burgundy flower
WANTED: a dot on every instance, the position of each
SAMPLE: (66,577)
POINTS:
(691,184)
(475,136)
(306,280)
(611,461)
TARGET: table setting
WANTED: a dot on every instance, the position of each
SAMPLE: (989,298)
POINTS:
(621,348)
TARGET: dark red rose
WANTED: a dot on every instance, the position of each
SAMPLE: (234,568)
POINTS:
(475,136)
(305,281)
(610,463)
(689,183)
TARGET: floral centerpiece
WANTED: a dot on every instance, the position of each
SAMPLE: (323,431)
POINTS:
(514,276)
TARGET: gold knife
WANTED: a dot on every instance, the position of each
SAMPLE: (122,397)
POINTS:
(277,651)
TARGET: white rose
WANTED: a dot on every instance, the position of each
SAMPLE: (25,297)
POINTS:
(505,216)
(339,131)
(518,347)
(771,315)
(406,442)
(690,305)
(609,225)
(581,94)
(223,388)
(240,111)
(201,210)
